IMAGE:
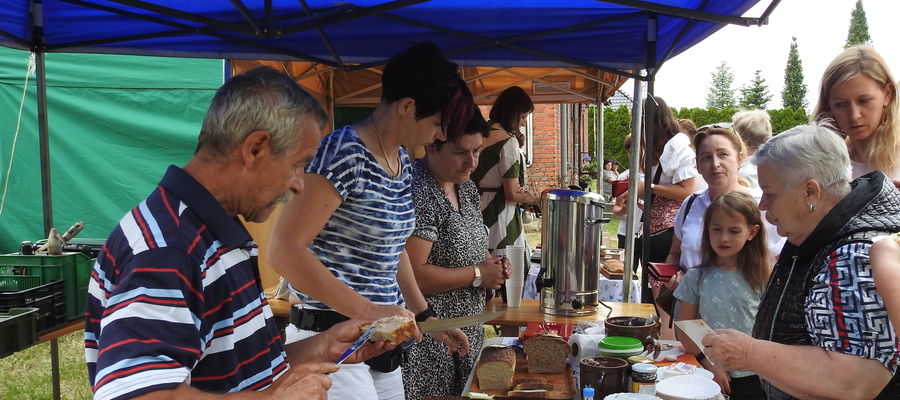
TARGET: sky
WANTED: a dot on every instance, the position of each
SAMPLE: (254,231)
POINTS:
(821,30)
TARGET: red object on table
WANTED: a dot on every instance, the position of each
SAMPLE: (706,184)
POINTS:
(553,328)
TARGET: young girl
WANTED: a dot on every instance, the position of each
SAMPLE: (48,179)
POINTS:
(728,285)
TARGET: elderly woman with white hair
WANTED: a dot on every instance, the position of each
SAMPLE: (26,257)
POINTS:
(822,330)
(755,129)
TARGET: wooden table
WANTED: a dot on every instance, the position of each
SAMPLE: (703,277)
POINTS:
(280,307)
(529,311)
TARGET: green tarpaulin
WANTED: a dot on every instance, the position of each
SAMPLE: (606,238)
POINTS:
(116,123)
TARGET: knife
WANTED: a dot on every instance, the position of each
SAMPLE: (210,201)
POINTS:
(360,341)
(435,325)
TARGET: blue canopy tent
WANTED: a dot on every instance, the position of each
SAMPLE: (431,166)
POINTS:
(630,38)
(617,36)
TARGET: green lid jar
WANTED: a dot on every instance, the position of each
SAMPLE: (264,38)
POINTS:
(620,347)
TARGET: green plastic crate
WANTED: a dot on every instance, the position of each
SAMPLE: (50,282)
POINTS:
(19,282)
(18,330)
(74,269)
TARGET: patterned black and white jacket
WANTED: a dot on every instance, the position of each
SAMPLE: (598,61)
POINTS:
(821,293)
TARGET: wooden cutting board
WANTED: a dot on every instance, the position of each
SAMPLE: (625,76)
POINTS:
(558,386)
(615,275)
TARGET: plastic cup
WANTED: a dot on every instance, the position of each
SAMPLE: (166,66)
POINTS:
(516,256)
(513,295)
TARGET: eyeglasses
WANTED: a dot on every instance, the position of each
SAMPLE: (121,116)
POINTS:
(720,125)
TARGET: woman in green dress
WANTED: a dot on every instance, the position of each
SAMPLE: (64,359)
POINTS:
(500,175)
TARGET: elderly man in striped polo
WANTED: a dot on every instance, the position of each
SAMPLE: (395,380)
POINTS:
(175,304)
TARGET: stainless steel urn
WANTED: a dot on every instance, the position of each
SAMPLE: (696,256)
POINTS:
(570,252)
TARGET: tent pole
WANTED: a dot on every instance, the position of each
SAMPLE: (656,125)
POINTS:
(635,159)
(331,100)
(598,144)
(563,145)
(646,295)
(44,141)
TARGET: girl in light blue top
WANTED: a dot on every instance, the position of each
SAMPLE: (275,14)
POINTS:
(727,287)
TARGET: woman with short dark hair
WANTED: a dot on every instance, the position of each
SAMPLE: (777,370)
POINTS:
(448,252)
(346,258)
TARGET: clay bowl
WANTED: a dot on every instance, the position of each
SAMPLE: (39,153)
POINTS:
(635,327)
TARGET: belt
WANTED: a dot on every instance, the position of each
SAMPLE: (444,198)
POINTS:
(315,320)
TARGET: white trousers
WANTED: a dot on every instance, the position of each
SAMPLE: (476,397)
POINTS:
(356,381)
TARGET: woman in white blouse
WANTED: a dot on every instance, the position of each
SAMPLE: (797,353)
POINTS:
(720,153)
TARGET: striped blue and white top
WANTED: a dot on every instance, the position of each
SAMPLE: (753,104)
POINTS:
(175,297)
(362,242)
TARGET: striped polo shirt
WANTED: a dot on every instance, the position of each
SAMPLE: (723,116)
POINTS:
(362,241)
(175,297)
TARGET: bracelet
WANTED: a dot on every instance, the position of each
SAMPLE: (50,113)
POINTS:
(428,313)
(700,357)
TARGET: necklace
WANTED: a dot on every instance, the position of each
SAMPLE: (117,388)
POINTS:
(383,153)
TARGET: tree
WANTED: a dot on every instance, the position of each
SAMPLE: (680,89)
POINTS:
(721,94)
(859,27)
(756,95)
(794,93)
(787,118)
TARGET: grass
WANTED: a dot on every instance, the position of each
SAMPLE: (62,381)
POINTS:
(27,375)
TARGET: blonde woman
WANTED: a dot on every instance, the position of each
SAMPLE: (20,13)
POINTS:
(859,93)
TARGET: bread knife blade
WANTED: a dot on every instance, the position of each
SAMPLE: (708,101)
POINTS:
(436,325)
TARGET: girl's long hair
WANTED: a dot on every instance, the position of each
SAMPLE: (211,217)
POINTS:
(753,259)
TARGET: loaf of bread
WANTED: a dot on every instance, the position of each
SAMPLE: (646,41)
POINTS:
(547,354)
(395,329)
(614,266)
(496,368)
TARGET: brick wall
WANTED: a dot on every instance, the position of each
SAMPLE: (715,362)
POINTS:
(544,170)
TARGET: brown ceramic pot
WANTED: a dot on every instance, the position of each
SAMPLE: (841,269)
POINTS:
(635,327)
(606,375)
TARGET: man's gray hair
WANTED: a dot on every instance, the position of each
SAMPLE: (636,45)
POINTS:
(260,99)
(754,126)
(814,151)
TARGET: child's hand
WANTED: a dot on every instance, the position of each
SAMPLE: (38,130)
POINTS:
(674,281)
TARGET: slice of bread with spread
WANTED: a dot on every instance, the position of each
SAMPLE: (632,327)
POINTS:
(546,354)
(394,329)
(496,368)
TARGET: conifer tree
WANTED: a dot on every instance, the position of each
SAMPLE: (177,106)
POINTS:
(859,27)
(756,94)
(721,94)
(794,94)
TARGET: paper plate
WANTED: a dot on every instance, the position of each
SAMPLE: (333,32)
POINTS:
(664,374)
(630,396)
(687,387)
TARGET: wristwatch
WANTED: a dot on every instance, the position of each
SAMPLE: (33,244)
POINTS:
(477,281)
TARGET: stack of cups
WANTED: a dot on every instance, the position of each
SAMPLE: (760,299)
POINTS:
(516,281)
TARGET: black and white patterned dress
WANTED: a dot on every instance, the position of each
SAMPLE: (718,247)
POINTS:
(459,240)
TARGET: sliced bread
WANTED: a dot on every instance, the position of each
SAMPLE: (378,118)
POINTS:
(547,354)
(395,329)
(496,368)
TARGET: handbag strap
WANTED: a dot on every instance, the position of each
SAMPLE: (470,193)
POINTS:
(690,203)
(656,177)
